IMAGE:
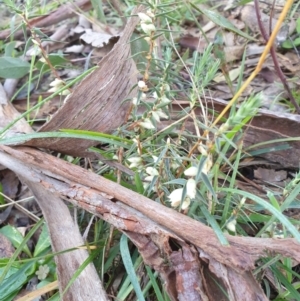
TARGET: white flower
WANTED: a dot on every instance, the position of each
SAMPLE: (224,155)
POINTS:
(43,60)
(202,150)
(278,235)
(56,85)
(207,165)
(243,200)
(134,101)
(175,165)
(147,39)
(175,199)
(35,50)
(155,158)
(152,171)
(134,162)
(64,92)
(134,165)
(150,13)
(42,272)
(191,188)
(141,84)
(144,18)
(191,171)
(147,124)
(135,159)
(148,28)
(231,226)
(223,128)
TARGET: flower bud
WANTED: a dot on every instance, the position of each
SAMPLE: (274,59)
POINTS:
(148,28)
(231,226)
(144,18)
(191,171)
(152,171)
(191,190)
(175,199)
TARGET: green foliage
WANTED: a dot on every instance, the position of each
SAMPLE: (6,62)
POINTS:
(13,67)
(164,159)
(15,237)
(56,59)
(127,260)
(14,274)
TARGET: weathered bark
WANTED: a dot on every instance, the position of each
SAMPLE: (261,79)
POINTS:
(64,234)
(152,226)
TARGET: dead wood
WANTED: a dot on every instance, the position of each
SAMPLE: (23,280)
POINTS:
(152,226)
(64,235)
(97,103)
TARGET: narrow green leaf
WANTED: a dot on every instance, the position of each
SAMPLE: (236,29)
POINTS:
(210,219)
(293,293)
(208,185)
(138,183)
(14,280)
(80,269)
(200,167)
(277,214)
(129,267)
(19,139)
(155,286)
(2,201)
(20,248)
(221,21)
(273,201)
(43,242)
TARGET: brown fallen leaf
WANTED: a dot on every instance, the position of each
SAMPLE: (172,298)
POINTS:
(270,175)
(97,103)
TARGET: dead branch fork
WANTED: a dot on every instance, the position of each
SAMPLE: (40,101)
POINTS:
(150,226)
